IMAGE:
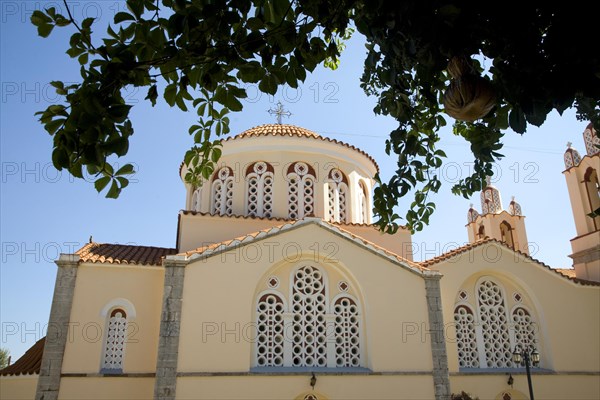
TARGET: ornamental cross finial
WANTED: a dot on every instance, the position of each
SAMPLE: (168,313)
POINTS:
(569,144)
(279,112)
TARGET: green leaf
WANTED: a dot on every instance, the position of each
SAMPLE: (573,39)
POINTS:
(53,126)
(44,30)
(101,183)
(83,59)
(114,190)
(170,94)
(516,119)
(123,16)
(126,169)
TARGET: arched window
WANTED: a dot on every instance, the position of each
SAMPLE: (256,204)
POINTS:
(593,193)
(337,196)
(487,337)
(301,190)
(315,330)
(494,325)
(524,327)
(196,199)
(346,333)
(481,232)
(506,234)
(309,305)
(270,331)
(259,182)
(114,342)
(221,202)
(363,203)
(468,355)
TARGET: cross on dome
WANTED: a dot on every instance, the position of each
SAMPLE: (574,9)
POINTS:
(279,112)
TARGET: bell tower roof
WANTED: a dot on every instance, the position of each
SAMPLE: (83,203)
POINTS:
(572,157)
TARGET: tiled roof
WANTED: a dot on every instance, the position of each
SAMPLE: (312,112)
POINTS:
(292,130)
(277,130)
(241,240)
(192,212)
(568,272)
(123,254)
(29,363)
(453,253)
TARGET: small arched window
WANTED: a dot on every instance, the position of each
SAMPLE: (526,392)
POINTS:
(222,192)
(196,199)
(524,328)
(506,234)
(363,203)
(114,341)
(301,190)
(468,355)
(592,187)
(481,232)
(337,196)
(270,331)
(259,194)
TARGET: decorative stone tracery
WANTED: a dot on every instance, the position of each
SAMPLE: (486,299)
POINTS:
(114,343)
(337,191)
(485,338)
(468,356)
(259,182)
(301,190)
(315,331)
(222,192)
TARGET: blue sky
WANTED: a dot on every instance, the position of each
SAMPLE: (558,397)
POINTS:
(45,212)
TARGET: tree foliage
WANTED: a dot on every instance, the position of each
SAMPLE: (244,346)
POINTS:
(4,357)
(537,58)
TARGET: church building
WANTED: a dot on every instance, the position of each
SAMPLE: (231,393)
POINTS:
(279,287)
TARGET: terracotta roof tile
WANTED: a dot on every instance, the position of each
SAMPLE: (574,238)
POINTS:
(191,212)
(277,130)
(570,276)
(123,254)
(292,130)
(29,363)
(568,272)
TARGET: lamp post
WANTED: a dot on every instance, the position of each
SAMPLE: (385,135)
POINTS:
(527,356)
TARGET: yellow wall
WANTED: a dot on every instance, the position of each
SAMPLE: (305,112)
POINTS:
(18,387)
(220,294)
(546,387)
(82,388)
(332,387)
(95,287)
(200,230)
(578,194)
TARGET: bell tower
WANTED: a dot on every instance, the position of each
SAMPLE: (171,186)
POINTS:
(581,174)
(497,223)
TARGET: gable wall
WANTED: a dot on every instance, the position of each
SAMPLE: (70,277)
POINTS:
(220,292)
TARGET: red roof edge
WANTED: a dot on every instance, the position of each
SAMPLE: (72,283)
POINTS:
(29,363)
